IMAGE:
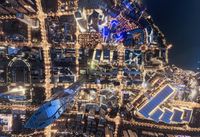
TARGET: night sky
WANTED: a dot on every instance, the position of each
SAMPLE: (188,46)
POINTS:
(179,20)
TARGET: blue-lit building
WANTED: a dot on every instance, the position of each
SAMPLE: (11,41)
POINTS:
(153,110)
(54,107)
(156,101)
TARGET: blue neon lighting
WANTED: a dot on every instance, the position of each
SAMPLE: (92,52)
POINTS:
(105,31)
(119,37)
(114,23)
(127,4)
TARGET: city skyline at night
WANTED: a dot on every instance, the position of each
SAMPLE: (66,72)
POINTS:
(85,68)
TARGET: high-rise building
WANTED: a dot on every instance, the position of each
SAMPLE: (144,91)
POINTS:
(17,6)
